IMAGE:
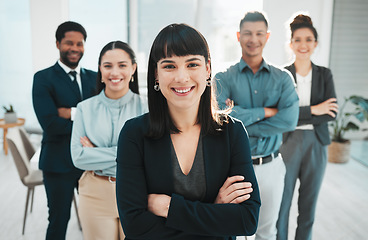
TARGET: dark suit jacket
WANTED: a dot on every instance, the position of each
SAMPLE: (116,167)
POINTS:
(322,89)
(144,166)
(52,89)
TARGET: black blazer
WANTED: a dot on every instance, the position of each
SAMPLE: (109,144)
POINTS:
(144,166)
(52,89)
(322,89)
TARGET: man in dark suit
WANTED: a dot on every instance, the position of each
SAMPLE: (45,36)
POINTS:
(56,92)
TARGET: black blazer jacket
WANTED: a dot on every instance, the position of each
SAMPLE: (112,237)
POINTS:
(322,89)
(52,89)
(144,166)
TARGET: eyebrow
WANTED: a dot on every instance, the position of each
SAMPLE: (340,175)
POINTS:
(193,59)
(188,60)
(309,37)
(118,62)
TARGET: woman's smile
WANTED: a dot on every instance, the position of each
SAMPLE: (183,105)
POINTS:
(183,91)
(116,80)
(182,80)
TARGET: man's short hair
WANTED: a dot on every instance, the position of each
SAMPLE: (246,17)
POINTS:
(254,16)
(68,27)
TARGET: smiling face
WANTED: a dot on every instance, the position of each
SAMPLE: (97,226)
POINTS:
(253,37)
(303,43)
(182,81)
(116,71)
(71,48)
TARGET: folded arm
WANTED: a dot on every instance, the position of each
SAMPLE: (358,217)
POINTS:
(324,111)
(46,109)
(232,191)
(286,117)
(87,155)
(184,218)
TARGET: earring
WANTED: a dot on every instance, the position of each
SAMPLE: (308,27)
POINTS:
(208,82)
(102,81)
(132,79)
(156,86)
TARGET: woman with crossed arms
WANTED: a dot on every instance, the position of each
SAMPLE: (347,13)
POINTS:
(305,150)
(184,170)
(96,128)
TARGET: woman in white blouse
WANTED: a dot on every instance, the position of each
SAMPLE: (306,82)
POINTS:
(305,150)
(96,128)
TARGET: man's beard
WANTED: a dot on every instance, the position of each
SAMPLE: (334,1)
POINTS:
(64,58)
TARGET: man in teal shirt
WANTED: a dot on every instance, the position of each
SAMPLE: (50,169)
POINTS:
(265,100)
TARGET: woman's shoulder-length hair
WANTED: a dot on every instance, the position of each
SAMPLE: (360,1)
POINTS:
(179,40)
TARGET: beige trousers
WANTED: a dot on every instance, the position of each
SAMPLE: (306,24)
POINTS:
(98,210)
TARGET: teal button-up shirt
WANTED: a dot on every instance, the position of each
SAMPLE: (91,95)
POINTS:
(269,87)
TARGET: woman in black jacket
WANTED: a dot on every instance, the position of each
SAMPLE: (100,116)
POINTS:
(184,170)
(305,150)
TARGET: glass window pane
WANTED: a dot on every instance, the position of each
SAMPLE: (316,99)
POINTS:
(16,58)
(217,20)
(104,21)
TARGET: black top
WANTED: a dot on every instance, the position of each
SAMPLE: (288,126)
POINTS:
(193,185)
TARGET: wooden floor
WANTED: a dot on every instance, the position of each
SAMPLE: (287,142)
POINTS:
(342,211)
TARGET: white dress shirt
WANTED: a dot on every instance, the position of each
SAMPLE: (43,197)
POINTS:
(304,89)
(79,81)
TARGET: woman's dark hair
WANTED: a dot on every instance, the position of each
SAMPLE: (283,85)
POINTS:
(133,85)
(68,27)
(178,40)
(302,21)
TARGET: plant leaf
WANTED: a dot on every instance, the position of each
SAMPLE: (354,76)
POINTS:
(361,102)
(360,116)
(351,126)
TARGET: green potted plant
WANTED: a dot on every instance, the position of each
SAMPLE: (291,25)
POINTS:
(339,149)
(10,116)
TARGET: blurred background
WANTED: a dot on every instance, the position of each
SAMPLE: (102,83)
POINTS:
(27,45)
(27,36)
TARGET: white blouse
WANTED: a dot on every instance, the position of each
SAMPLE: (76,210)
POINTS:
(304,89)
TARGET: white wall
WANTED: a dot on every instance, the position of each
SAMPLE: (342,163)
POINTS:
(43,18)
(280,11)
(16,70)
(46,16)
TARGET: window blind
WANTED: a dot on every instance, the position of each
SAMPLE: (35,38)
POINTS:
(349,48)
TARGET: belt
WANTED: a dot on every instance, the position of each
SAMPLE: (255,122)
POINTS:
(265,159)
(107,178)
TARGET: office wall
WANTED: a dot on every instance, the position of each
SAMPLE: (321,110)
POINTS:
(35,42)
(279,13)
(349,55)
(27,37)
(45,17)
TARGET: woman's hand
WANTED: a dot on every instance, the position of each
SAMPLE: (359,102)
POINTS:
(329,107)
(234,190)
(159,204)
(86,142)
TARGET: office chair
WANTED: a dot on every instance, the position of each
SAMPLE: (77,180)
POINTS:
(22,151)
